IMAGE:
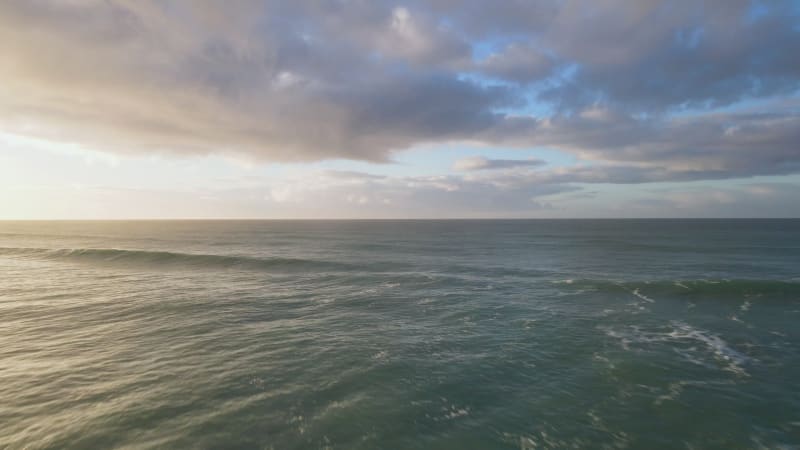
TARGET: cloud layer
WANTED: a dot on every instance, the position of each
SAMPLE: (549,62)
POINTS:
(481,163)
(647,90)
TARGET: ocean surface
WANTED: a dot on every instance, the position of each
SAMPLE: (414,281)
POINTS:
(517,334)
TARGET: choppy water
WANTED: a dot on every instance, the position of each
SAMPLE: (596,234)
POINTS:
(395,335)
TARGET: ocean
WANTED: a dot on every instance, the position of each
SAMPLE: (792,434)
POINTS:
(486,334)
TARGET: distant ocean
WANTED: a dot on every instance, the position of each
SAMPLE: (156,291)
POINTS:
(515,334)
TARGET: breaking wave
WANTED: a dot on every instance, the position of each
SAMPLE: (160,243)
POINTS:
(653,290)
(696,345)
(165,259)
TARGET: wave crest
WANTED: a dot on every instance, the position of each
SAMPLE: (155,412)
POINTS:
(165,259)
(653,290)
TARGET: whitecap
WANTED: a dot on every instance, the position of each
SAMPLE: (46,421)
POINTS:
(721,350)
(383,354)
(456,412)
(642,296)
(680,332)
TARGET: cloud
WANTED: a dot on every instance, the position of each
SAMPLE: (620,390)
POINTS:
(482,163)
(343,194)
(708,146)
(520,63)
(418,39)
(656,55)
(198,78)
(635,88)
(752,200)
(503,193)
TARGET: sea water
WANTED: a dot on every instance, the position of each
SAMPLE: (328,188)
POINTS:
(400,334)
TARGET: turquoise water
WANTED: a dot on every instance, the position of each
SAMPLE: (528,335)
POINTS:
(400,334)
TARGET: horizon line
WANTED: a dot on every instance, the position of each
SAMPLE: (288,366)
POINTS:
(368,219)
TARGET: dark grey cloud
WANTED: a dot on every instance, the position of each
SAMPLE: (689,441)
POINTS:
(710,146)
(482,163)
(654,55)
(520,63)
(632,85)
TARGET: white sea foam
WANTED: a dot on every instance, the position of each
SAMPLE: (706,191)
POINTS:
(451,411)
(722,351)
(745,306)
(454,412)
(603,359)
(381,355)
(336,406)
(675,389)
(679,335)
(642,296)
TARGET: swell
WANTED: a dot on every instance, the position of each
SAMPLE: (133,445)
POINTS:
(788,289)
(165,259)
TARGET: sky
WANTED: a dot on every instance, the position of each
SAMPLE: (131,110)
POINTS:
(150,109)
